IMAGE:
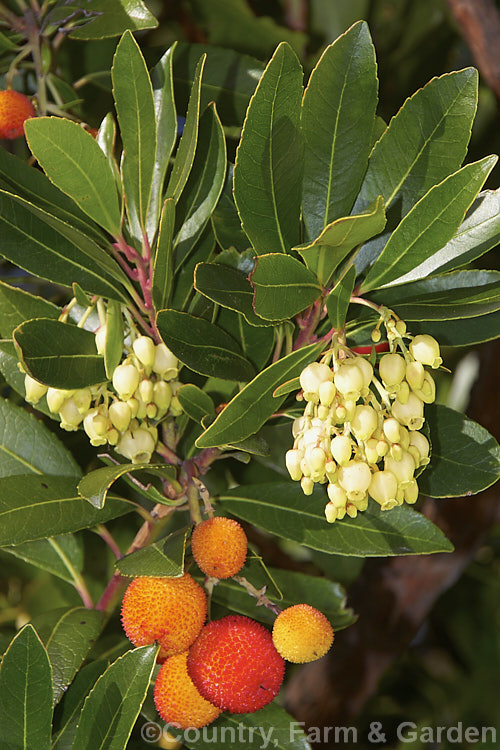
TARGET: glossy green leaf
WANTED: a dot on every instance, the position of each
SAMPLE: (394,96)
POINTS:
(163,558)
(255,445)
(106,135)
(133,95)
(166,131)
(451,296)
(283,286)
(163,271)
(268,168)
(26,693)
(465,457)
(203,346)
(75,163)
(26,445)
(467,332)
(112,707)
(34,507)
(51,249)
(111,18)
(186,149)
(81,297)
(113,341)
(195,402)
(59,354)
(227,287)
(183,286)
(253,405)
(17,305)
(257,343)
(426,141)
(429,224)
(338,300)
(67,634)
(338,239)
(95,486)
(204,184)
(226,221)
(283,509)
(12,375)
(62,556)
(287,387)
(338,113)
(67,714)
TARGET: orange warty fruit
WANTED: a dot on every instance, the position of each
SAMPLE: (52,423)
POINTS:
(168,610)
(15,109)
(219,547)
(177,700)
(302,633)
(234,664)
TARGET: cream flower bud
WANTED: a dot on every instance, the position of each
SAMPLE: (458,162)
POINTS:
(304,467)
(311,378)
(327,392)
(371,453)
(175,407)
(34,390)
(146,390)
(336,495)
(317,459)
(331,470)
(151,411)
(330,512)
(382,448)
(415,375)
(292,461)
(71,416)
(141,409)
(96,424)
(410,414)
(299,425)
(112,436)
(349,380)
(100,339)
(125,381)
(144,350)
(350,408)
(428,391)
(425,349)
(366,369)
(307,485)
(137,446)
(404,438)
(365,422)
(403,392)
(360,504)
(341,413)
(82,399)
(392,429)
(133,404)
(403,470)
(162,395)
(383,488)
(411,493)
(341,449)
(120,415)
(355,478)
(56,398)
(396,452)
(165,362)
(392,369)
(420,443)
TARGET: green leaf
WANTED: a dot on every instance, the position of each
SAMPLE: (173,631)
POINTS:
(452,296)
(67,634)
(163,272)
(26,693)
(204,185)
(338,113)
(94,486)
(15,378)
(226,221)
(283,509)
(338,239)
(254,445)
(186,149)
(106,136)
(48,248)
(288,387)
(166,130)
(112,707)
(17,305)
(111,18)
(113,340)
(426,141)
(183,286)
(228,287)
(203,346)
(26,445)
(67,715)
(75,163)
(256,343)
(338,300)
(283,286)
(469,331)
(133,95)
(33,507)
(430,224)
(59,354)
(465,457)
(62,556)
(268,168)
(195,402)
(163,558)
(253,405)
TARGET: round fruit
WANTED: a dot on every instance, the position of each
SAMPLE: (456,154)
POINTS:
(235,666)
(219,547)
(168,610)
(302,633)
(177,700)
(15,109)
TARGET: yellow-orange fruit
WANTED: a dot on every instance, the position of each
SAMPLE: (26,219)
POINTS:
(170,611)
(15,109)
(177,700)
(219,547)
(302,633)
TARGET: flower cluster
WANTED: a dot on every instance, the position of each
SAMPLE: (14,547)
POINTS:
(125,416)
(360,432)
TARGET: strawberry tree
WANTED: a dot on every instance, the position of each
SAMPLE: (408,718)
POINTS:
(252,332)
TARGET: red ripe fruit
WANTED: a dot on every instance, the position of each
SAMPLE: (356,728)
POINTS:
(15,109)
(234,665)
(219,547)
